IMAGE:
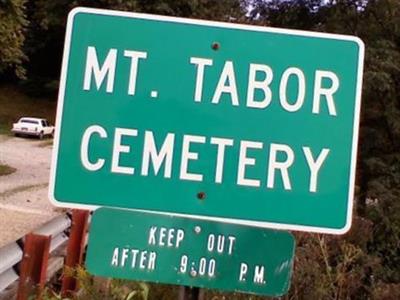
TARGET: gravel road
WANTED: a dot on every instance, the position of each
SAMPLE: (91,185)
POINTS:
(24,205)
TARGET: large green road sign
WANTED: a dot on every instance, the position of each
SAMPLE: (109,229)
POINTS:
(251,125)
(175,250)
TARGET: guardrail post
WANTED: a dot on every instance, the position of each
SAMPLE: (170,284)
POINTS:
(33,269)
(75,248)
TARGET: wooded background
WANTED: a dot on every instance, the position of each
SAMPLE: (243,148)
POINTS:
(363,264)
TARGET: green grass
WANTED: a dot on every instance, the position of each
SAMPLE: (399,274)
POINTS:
(14,104)
(6,170)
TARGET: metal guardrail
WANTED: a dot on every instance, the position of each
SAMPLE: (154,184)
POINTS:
(11,254)
(56,228)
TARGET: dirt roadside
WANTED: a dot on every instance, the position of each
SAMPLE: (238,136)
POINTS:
(24,205)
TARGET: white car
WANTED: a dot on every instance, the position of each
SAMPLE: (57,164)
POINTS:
(33,126)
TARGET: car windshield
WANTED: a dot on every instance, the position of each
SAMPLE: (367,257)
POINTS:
(28,121)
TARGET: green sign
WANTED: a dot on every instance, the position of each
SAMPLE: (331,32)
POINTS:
(175,250)
(248,125)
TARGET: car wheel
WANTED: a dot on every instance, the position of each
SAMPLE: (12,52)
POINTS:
(52,134)
(41,135)
(16,134)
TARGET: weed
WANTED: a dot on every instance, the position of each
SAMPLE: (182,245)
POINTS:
(95,288)
(6,170)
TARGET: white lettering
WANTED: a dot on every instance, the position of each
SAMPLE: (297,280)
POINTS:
(220,243)
(228,73)
(246,161)
(152,261)
(179,237)
(124,256)
(259,275)
(165,154)
(243,272)
(187,155)
(114,260)
(143,258)
(134,252)
(163,231)
(152,235)
(300,93)
(92,67)
(282,166)
(210,242)
(253,84)
(118,149)
(85,148)
(314,165)
(221,143)
(327,92)
(232,240)
(201,63)
(134,56)
(171,236)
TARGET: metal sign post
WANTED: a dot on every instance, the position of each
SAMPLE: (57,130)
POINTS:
(189,293)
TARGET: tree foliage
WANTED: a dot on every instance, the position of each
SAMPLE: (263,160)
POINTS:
(12,24)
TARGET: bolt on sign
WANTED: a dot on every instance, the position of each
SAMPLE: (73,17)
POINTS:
(176,250)
(242,124)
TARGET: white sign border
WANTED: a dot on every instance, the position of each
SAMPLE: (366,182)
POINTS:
(271,225)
